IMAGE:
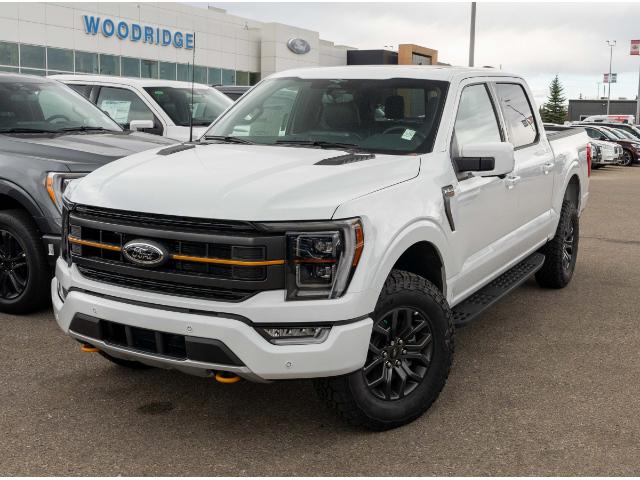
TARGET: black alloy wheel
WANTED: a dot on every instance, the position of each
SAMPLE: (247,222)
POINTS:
(568,245)
(400,352)
(14,270)
(627,159)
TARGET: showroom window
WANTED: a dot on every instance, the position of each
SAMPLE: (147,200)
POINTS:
(109,65)
(86,62)
(214,76)
(9,69)
(228,77)
(254,77)
(167,71)
(9,54)
(184,72)
(130,67)
(33,71)
(242,78)
(32,56)
(60,59)
(200,74)
(148,68)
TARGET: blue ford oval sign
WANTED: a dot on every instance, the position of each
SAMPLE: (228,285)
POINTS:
(298,45)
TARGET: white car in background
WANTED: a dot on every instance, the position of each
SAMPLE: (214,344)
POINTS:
(161,107)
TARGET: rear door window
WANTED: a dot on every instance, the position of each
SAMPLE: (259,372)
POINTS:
(518,114)
(84,90)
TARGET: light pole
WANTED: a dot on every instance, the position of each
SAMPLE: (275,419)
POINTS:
(611,43)
(472,34)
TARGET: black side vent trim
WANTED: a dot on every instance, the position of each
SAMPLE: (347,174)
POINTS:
(346,159)
(176,148)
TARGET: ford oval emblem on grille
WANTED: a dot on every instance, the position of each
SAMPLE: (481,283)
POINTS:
(145,253)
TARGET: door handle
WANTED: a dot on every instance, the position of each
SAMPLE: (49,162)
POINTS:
(511,181)
(547,167)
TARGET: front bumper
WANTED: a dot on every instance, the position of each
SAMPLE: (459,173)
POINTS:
(343,351)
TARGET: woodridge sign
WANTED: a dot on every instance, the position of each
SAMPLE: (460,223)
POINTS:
(135,32)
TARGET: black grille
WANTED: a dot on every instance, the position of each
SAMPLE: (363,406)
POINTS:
(144,340)
(179,247)
(169,288)
(154,342)
(192,277)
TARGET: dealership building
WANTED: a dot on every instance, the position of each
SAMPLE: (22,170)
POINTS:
(162,40)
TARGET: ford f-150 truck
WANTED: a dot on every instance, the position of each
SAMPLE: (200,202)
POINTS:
(335,224)
(49,135)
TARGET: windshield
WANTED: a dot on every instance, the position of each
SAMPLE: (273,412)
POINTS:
(623,134)
(208,104)
(615,133)
(397,115)
(47,106)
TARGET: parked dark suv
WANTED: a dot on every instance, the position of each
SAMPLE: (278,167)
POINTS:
(49,135)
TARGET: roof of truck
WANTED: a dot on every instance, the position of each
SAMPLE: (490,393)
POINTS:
(427,72)
(132,81)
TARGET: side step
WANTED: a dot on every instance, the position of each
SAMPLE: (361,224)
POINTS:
(477,303)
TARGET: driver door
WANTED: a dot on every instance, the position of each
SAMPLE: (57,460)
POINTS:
(484,209)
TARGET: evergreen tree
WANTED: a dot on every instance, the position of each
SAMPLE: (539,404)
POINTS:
(554,111)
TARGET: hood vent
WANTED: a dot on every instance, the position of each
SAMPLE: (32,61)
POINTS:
(176,148)
(345,159)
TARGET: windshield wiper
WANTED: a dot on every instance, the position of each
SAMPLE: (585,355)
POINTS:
(85,129)
(228,139)
(319,144)
(26,130)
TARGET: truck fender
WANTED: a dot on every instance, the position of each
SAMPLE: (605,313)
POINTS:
(423,230)
(572,171)
(18,194)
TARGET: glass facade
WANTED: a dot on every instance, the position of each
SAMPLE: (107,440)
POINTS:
(60,59)
(39,60)
(130,67)
(167,71)
(109,65)
(86,62)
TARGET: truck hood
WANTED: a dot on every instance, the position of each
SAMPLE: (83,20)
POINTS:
(79,152)
(240,182)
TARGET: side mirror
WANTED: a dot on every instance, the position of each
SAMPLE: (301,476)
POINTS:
(136,125)
(486,159)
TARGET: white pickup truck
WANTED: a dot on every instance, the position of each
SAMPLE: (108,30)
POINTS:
(335,224)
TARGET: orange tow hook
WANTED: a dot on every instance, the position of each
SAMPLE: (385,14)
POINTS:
(227,378)
(85,347)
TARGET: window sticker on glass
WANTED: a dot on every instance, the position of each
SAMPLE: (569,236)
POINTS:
(408,134)
(117,109)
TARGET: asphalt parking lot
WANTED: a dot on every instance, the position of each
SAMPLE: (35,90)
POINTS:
(545,383)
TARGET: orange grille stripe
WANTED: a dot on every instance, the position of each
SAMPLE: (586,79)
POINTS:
(184,258)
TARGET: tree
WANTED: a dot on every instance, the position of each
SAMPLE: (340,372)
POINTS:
(554,111)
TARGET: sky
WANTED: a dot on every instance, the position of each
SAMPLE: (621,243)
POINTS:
(536,40)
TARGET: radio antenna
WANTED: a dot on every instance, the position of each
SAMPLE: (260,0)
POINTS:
(193,73)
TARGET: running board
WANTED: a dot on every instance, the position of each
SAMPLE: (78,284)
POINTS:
(476,304)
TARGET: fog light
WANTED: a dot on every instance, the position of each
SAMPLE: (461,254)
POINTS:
(295,335)
(62,292)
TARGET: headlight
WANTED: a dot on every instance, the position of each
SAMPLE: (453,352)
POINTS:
(321,257)
(56,184)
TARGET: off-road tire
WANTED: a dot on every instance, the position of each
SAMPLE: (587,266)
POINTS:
(350,397)
(36,294)
(132,364)
(554,273)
